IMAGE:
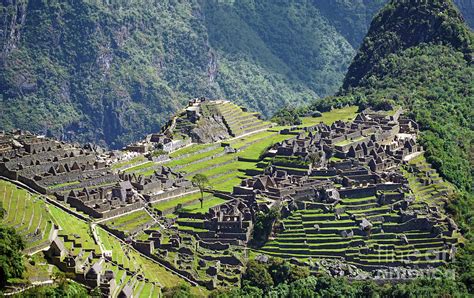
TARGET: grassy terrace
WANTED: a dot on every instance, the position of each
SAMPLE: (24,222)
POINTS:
(345,114)
(189,149)
(133,261)
(140,167)
(25,213)
(226,171)
(207,203)
(130,222)
(193,158)
(74,228)
(134,160)
(425,193)
(165,205)
(302,239)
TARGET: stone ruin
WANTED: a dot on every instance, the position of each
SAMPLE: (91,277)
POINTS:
(81,177)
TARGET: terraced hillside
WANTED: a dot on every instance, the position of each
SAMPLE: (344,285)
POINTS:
(210,121)
(38,222)
(177,218)
(226,170)
(238,121)
(374,211)
(180,235)
(28,214)
(318,235)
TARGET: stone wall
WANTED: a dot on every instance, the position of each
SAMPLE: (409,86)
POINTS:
(358,192)
(169,194)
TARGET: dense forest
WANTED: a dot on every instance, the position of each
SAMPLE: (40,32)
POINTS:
(110,72)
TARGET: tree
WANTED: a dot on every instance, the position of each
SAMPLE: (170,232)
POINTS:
(201,181)
(314,158)
(179,291)
(257,275)
(279,270)
(11,259)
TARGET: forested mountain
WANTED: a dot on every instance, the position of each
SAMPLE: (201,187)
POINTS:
(111,71)
(419,55)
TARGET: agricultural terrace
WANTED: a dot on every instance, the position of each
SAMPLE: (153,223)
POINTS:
(130,222)
(425,182)
(313,234)
(74,231)
(128,260)
(26,213)
(227,170)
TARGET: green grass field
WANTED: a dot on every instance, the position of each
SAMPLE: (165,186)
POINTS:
(190,149)
(329,118)
(207,203)
(165,205)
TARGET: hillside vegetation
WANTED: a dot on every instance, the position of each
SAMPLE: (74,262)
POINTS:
(429,74)
(110,72)
(424,64)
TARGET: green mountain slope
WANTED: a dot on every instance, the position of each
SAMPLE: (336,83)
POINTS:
(418,55)
(404,24)
(111,71)
(431,75)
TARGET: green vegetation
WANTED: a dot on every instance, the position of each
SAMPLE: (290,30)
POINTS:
(71,226)
(26,213)
(203,208)
(128,223)
(118,83)
(64,288)
(201,181)
(168,204)
(11,259)
(128,258)
(259,282)
(263,226)
(189,149)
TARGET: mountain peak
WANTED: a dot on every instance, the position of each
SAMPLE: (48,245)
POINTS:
(402,24)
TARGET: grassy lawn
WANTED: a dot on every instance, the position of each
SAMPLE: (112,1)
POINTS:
(193,158)
(207,203)
(140,167)
(240,142)
(228,185)
(130,221)
(189,149)
(329,118)
(165,205)
(257,149)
